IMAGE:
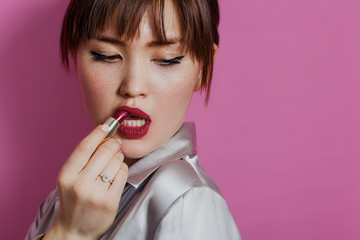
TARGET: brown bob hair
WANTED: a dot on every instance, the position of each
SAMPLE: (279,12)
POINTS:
(199,20)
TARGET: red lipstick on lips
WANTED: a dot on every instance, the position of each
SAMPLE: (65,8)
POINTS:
(121,116)
(136,124)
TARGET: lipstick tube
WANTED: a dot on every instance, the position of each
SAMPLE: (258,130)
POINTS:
(114,124)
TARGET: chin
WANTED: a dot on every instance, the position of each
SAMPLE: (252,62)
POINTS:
(139,148)
(135,149)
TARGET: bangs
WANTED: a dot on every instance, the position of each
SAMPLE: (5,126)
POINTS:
(86,21)
(198,19)
(126,15)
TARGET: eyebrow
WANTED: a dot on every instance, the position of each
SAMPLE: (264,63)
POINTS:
(110,40)
(156,43)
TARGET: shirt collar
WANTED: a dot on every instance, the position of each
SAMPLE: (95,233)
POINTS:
(182,144)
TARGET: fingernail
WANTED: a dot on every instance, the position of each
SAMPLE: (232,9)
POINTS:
(118,139)
(105,127)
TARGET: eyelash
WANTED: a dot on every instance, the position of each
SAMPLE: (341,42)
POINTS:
(113,58)
(169,62)
(104,58)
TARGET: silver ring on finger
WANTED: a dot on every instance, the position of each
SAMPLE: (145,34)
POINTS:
(105,178)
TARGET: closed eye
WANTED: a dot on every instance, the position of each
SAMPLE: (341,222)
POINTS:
(169,62)
(105,58)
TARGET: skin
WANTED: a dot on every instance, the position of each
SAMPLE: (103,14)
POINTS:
(137,79)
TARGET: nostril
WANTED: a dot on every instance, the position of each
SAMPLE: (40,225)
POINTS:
(134,84)
(131,91)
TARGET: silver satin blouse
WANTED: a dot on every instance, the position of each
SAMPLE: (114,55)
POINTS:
(168,195)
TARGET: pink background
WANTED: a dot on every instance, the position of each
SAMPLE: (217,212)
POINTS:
(281,135)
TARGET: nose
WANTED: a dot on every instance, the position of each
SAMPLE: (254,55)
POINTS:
(135,82)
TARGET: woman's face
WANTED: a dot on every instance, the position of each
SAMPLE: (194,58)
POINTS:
(143,74)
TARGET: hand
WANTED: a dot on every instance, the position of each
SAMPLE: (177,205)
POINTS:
(88,205)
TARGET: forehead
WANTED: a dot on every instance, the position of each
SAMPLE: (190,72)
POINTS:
(151,25)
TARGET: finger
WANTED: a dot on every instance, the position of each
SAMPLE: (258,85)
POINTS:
(110,170)
(101,157)
(80,156)
(119,180)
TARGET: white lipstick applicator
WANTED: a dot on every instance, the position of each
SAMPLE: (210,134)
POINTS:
(114,123)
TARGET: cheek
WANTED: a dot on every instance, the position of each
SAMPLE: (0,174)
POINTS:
(89,85)
(181,83)
(94,77)
(95,91)
(175,96)
(90,79)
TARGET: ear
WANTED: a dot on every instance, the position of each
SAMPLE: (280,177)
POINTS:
(75,62)
(74,58)
(198,83)
(215,49)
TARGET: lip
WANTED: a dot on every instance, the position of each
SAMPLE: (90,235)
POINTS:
(133,114)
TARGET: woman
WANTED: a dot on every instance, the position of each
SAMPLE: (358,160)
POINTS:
(144,58)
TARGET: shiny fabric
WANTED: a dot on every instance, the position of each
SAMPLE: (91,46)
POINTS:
(168,196)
